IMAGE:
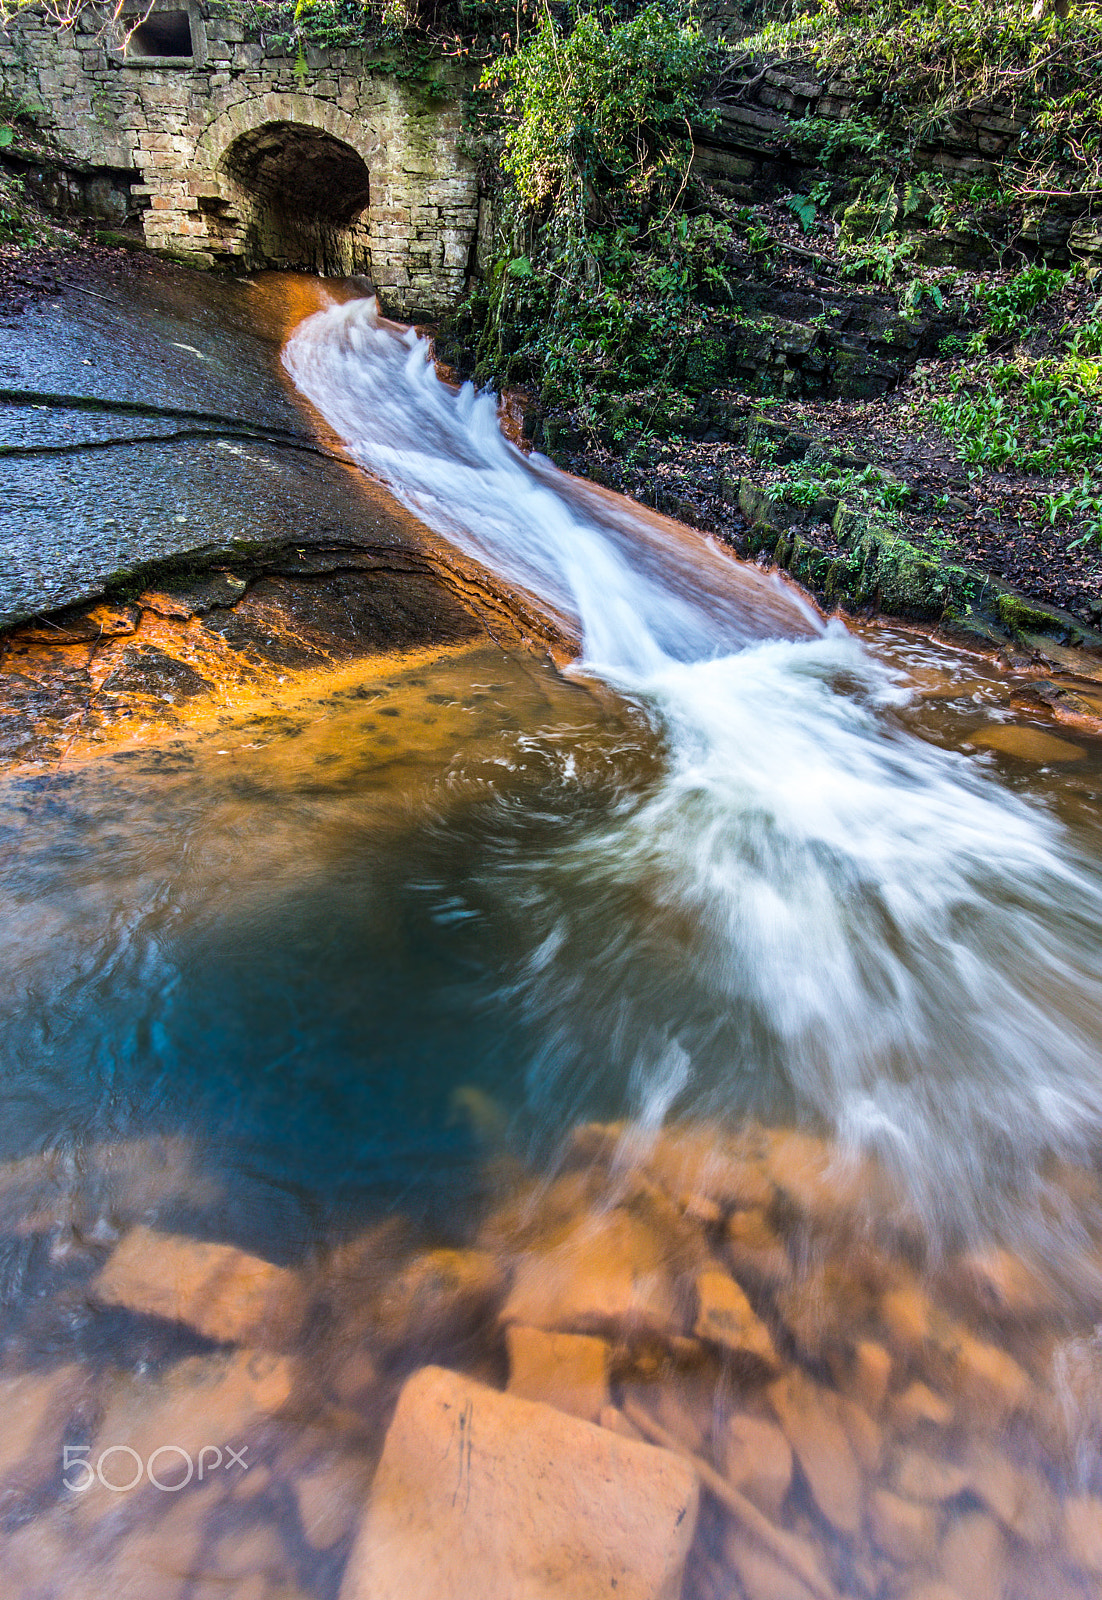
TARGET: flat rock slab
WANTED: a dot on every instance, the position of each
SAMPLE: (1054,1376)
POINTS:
(147,417)
(219,1291)
(484,1496)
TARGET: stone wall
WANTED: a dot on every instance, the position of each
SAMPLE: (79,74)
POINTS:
(237,154)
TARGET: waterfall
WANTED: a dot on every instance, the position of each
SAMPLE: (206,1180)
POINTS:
(810,895)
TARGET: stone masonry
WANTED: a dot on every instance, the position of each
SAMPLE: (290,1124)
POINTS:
(231,153)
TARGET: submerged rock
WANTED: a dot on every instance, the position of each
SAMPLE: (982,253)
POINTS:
(863,1372)
(483,1496)
(35,1407)
(566,1370)
(763,1577)
(905,1530)
(1083,1531)
(726,1318)
(698,1164)
(209,1405)
(996,1283)
(221,1292)
(919,1407)
(607,1275)
(822,1448)
(975,1558)
(757,1461)
(438,1293)
(756,1251)
(330,1497)
(89,1191)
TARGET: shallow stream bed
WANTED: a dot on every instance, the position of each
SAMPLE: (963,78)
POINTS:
(701,1041)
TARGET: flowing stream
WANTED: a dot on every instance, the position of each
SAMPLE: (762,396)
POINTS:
(731,997)
(809,905)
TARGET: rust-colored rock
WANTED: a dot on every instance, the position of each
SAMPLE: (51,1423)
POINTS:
(865,1374)
(821,1309)
(920,1476)
(94,1190)
(992,1384)
(223,1293)
(998,1283)
(756,1251)
(35,1407)
(1083,1532)
(482,1496)
(695,1164)
(1021,1499)
(605,1274)
(566,1370)
(726,1318)
(918,1406)
(821,1446)
(763,1577)
(1028,744)
(911,1320)
(219,1401)
(904,1529)
(757,1460)
(438,1292)
(975,1557)
(330,1498)
(814,1177)
(862,1432)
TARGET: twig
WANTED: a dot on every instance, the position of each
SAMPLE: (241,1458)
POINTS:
(790,1552)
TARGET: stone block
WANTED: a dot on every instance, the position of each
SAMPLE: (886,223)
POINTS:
(566,1370)
(221,1292)
(821,1446)
(483,1496)
(607,1275)
(757,1461)
(725,1318)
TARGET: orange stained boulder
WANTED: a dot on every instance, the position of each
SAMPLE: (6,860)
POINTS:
(605,1274)
(221,1292)
(483,1496)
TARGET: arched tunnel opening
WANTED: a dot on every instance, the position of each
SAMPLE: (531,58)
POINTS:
(305,193)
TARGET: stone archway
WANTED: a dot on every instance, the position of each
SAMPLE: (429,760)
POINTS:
(302,194)
(295,173)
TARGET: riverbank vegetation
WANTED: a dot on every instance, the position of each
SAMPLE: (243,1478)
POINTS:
(887,224)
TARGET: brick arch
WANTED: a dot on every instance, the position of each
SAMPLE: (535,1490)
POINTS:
(299,109)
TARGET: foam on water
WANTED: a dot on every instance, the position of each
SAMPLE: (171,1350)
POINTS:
(809,898)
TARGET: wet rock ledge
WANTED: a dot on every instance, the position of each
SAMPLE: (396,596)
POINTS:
(193,640)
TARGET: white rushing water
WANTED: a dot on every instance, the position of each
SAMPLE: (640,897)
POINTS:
(810,898)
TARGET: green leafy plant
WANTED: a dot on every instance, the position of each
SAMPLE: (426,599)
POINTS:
(607,105)
(1085,338)
(1039,416)
(803,207)
(910,301)
(605,292)
(881,259)
(1011,305)
(1079,505)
